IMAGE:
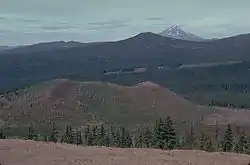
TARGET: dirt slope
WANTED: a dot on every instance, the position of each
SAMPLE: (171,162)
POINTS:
(17,152)
(77,103)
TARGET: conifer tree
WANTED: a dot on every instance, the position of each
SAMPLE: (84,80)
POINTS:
(94,135)
(112,137)
(123,138)
(210,146)
(159,134)
(217,136)
(2,134)
(202,141)
(115,137)
(243,143)
(31,132)
(248,145)
(118,138)
(139,139)
(68,136)
(147,137)
(180,142)
(190,143)
(170,134)
(54,134)
(107,141)
(88,136)
(128,140)
(45,138)
(101,136)
(228,140)
(79,140)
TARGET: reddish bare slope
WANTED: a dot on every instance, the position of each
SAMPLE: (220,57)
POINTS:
(78,103)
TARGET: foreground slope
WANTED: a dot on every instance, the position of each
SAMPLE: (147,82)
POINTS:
(76,103)
(13,152)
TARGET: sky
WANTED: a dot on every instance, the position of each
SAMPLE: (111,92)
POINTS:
(33,21)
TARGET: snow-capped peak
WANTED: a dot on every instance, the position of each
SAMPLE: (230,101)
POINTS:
(176,32)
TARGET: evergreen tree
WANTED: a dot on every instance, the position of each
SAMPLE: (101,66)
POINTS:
(123,139)
(79,140)
(190,141)
(155,135)
(210,146)
(107,141)
(2,134)
(54,134)
(68,137)
(217,136)
(248,145)
(147,137)
(139,140)
(115,138)
(170,134)
(45,138)
(159,134)
(88,136)
(228,140)
(112,137)
(243,143)
(202,142)
(31,132)
(128,140)
(101,136)
(94,135)
(180,142)
(118,138)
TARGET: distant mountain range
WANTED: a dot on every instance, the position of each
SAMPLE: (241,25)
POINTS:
(177,33)
(35,63)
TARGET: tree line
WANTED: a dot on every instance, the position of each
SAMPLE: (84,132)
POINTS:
(162,135)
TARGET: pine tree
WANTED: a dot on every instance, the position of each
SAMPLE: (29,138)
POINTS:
(180,142)
(217,136)
(54,134)
(115,138)
(88,136)
(243,143)
(210,146)
(101,136)
(190,143)
(31,132)
(228,140)
(170,134)
(248,145)
(159,134)
(68,137)
(155,135)
(2,134)
(45,138)
(123,138)
(128,140)
(147,137)
(202,142)
(79,140)
(118,138)
(139,140)
(107,141)
(94,135)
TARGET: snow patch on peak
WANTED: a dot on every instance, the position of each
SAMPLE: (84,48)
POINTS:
(176,32)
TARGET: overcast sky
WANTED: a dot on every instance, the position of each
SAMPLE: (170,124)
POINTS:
(32,21)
